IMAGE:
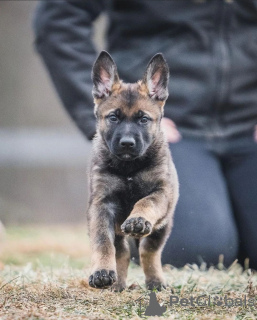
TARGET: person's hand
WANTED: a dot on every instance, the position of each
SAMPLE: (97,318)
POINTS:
(170,130)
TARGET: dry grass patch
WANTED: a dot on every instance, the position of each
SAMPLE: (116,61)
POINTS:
(60,291)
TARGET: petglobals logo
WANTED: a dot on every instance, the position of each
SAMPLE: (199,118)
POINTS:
(154,308)
(208,300)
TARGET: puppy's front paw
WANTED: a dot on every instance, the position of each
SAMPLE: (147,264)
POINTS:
(102,279)
(136,227)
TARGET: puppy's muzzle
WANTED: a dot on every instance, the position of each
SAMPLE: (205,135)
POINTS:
(127,144)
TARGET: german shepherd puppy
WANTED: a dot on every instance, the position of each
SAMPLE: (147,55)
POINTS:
(133,183)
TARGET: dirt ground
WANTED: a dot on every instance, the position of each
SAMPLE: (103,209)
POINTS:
(44,273)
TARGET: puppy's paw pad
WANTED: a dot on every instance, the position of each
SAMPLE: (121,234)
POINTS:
(102,279)
(136,227)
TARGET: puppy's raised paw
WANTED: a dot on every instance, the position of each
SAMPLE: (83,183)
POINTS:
(102,279)
(136,227)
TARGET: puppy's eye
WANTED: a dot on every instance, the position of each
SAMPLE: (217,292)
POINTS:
(113,118)
(144,120)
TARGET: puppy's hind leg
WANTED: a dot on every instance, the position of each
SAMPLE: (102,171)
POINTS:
(122,262)
(150,250)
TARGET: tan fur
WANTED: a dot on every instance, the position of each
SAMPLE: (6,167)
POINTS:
(151,263)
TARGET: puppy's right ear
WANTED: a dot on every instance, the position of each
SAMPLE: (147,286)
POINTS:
(104,76)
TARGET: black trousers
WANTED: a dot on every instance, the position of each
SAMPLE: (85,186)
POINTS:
(217,209)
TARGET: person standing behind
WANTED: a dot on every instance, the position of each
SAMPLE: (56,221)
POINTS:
(210,115)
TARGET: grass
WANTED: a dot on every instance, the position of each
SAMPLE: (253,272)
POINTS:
(46,246)
(43,275)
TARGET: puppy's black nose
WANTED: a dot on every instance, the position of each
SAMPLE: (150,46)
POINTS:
(127,142)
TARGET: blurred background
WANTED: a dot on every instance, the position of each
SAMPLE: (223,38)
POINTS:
(44,159)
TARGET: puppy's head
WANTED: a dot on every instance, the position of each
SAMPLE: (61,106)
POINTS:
(128,115)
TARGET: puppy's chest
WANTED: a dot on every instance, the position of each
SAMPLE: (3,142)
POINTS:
(133,189)
(136,188)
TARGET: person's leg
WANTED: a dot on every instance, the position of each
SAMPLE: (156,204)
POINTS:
(203,224)
(240,169)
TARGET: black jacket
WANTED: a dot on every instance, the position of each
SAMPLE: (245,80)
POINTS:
(210,46)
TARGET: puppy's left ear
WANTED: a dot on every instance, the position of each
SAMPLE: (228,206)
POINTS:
(156,78)
(104,76)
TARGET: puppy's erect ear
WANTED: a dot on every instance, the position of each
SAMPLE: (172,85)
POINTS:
(104,75)
(156,78)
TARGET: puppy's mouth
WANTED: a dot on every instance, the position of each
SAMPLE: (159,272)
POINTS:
(126,156)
